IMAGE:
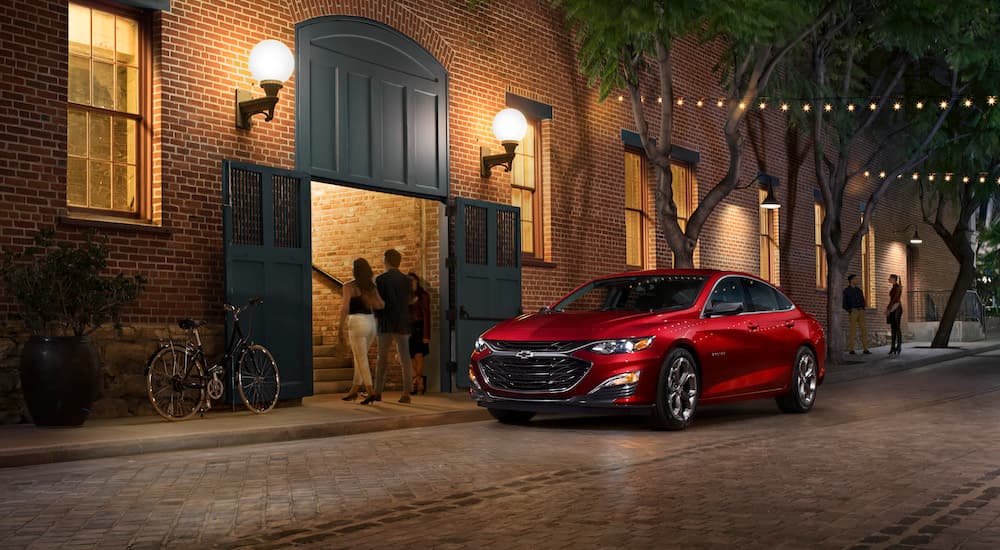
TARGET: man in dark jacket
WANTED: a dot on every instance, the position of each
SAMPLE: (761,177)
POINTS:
(393,322)
(854,304)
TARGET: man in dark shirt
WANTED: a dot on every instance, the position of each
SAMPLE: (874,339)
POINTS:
(393,322)
(854,304)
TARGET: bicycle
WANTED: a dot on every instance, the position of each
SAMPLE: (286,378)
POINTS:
(179,385)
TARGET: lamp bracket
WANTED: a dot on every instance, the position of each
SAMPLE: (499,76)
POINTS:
(505,159)
(247,106)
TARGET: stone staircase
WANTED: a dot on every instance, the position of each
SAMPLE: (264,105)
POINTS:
(333,368)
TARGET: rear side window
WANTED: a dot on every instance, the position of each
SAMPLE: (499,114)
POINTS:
(762,296)
(729,289)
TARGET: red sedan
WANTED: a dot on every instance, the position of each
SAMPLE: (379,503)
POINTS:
(658,343)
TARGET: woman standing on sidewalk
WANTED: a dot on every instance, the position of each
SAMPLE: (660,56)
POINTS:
(420,332)
(894,315)
(360,300)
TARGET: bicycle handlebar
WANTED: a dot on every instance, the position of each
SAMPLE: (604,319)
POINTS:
(256,300)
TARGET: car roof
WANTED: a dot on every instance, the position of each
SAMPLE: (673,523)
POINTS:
(649,272)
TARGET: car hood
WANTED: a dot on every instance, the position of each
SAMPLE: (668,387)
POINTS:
(577,325)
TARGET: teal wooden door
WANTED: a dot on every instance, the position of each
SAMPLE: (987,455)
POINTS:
(268,253)
(487,273)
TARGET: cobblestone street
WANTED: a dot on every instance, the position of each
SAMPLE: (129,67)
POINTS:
(903,460)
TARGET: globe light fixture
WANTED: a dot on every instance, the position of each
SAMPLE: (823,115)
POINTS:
(509,126)
(270,63)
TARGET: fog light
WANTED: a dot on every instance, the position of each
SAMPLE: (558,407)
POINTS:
(623,379)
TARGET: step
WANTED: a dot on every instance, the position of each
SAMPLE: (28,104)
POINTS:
(327,350)
(332,362)
(332,375)
(331,387)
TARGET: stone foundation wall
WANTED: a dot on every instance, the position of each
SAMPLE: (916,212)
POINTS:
(123,357)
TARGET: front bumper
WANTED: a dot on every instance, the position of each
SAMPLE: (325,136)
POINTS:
(581,404)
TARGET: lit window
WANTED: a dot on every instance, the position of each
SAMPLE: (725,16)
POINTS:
(105,118)
(819,213)
(768,241)
(526,179)
(636,220)
(868,266)
(685,194)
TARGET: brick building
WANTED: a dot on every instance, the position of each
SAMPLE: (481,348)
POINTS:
(120,117)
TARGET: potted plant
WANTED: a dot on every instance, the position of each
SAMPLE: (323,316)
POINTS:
(62,295)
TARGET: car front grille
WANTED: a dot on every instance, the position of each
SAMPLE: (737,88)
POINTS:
(539,374)
(538,347)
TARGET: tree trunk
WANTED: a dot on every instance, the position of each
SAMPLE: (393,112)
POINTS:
(835,314)
(966,277)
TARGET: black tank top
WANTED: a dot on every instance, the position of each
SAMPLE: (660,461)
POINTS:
(357,305)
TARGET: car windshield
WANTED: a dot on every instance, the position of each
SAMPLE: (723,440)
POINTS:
(639,293)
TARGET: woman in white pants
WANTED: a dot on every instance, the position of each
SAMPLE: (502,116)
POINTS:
(357,318)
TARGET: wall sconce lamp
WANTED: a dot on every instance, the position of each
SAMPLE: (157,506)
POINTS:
(768,181)
(915,239)
(509,127)
(271,63)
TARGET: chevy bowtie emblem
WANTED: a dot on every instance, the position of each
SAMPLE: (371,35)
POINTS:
(524,354)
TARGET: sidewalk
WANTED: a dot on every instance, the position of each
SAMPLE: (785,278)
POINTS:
(319,416)
(327,415)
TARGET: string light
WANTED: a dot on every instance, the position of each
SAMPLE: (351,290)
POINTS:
(916,176)
(621,98)
(850,107)
(784,106)
(897,106)
(982,179)
(680,101)
(720,103)
(947,177)
(828,107)
(882,174)
(943,104)
(866,173)
(920,105)
(743,105)
(991,101)
(700,103)
(965,179)
(872,106)
(762,105)
(967,102)
(931,177)
(806,107)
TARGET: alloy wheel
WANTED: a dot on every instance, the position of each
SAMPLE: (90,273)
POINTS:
(682,389)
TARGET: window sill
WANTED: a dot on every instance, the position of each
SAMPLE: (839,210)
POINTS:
(108,223)
(535,262)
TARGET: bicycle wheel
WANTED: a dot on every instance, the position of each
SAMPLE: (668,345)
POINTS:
(175,382)
(257,379)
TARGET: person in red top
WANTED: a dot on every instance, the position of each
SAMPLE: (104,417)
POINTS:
(420,332)
(894,314)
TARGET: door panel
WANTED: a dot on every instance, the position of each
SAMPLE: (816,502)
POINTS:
(371,108)
(487,273)
(775,348)
(266,236)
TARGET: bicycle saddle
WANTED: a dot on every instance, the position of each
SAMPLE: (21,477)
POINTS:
(189,324)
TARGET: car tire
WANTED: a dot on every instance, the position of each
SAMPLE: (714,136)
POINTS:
(505,416)
(677,392)
(805,378)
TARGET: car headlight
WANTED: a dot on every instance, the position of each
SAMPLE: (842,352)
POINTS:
(480,345)
(625,345)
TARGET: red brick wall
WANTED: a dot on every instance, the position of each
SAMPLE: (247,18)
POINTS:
(488,49)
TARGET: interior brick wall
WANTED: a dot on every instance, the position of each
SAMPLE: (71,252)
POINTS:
(353,223)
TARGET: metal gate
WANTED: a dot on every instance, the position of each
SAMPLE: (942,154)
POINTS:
(268,253)
(487,273)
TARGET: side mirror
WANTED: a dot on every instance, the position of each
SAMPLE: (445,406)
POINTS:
(725,308)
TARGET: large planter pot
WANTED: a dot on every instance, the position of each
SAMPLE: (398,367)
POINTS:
(60,377)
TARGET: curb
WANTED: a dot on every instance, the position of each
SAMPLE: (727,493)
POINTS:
(848,373)
(142,446)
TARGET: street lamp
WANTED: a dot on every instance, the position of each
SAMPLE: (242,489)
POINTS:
(509,126)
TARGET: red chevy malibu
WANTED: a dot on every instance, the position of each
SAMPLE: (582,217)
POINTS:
(659,343)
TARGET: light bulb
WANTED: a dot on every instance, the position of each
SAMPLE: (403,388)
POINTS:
(509,125)
(271,60)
